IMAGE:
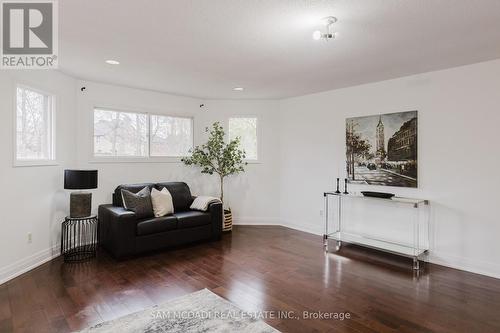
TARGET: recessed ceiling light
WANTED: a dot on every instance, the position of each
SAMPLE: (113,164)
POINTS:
(112,62)
(238,89)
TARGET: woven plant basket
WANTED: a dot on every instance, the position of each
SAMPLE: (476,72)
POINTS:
(228,221)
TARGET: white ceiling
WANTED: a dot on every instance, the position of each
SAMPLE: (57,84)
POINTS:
(204,48)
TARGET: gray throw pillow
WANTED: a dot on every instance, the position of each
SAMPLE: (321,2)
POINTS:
(139,203)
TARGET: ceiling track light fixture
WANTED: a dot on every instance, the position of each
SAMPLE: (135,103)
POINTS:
(328,34)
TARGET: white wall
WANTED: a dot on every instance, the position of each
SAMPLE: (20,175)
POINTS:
(32,198)
(246,193)
(458,156)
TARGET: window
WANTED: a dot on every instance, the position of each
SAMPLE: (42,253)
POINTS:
(34,126)
(171,136)
(129,134)
(119,133)
(246,129)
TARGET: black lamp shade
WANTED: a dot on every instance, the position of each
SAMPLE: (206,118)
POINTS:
(80,179)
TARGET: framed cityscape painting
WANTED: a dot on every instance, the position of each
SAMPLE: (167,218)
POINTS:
(382,149)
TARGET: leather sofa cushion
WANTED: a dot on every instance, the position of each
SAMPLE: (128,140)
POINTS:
(156,225)
(191,219)
(181,195)
(134,188)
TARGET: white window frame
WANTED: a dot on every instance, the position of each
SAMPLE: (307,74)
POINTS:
(51,130)
(259,136)
(136,159)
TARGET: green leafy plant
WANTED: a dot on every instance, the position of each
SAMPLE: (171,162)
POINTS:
(218,157)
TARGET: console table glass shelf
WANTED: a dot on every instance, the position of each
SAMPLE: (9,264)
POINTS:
(417,228)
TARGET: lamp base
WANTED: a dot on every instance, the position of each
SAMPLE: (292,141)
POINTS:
(80,204)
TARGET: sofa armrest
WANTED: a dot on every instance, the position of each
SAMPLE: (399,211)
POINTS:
(216,216)
(117,230)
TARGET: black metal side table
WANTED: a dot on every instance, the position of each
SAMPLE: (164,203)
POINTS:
(79,238)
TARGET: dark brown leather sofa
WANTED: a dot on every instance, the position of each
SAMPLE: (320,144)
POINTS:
(123,235)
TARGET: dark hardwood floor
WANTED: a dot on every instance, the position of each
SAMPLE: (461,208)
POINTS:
(258,268)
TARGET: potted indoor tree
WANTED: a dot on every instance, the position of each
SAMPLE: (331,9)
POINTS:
(220,158)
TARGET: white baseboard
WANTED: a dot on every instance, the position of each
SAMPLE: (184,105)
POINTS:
(27,264)
(306,228)
(242,220)
(464,264)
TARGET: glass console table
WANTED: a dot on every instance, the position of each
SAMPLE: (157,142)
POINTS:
(413,238)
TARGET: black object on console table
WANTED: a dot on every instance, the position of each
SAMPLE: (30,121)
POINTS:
(338,190)
(382,195)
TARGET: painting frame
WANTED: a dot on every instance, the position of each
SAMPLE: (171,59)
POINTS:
(382,149)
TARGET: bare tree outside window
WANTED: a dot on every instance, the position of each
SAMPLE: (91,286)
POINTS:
(118,133)
(171,136)
(33,125)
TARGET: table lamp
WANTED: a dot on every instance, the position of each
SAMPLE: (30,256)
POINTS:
(80,203)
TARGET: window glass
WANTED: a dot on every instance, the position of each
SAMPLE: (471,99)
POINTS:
(171,136)
(246,129)
(33,125)
(118,133)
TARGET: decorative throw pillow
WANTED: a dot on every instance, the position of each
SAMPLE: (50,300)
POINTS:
(202,203)
(162,202)
(139,203)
